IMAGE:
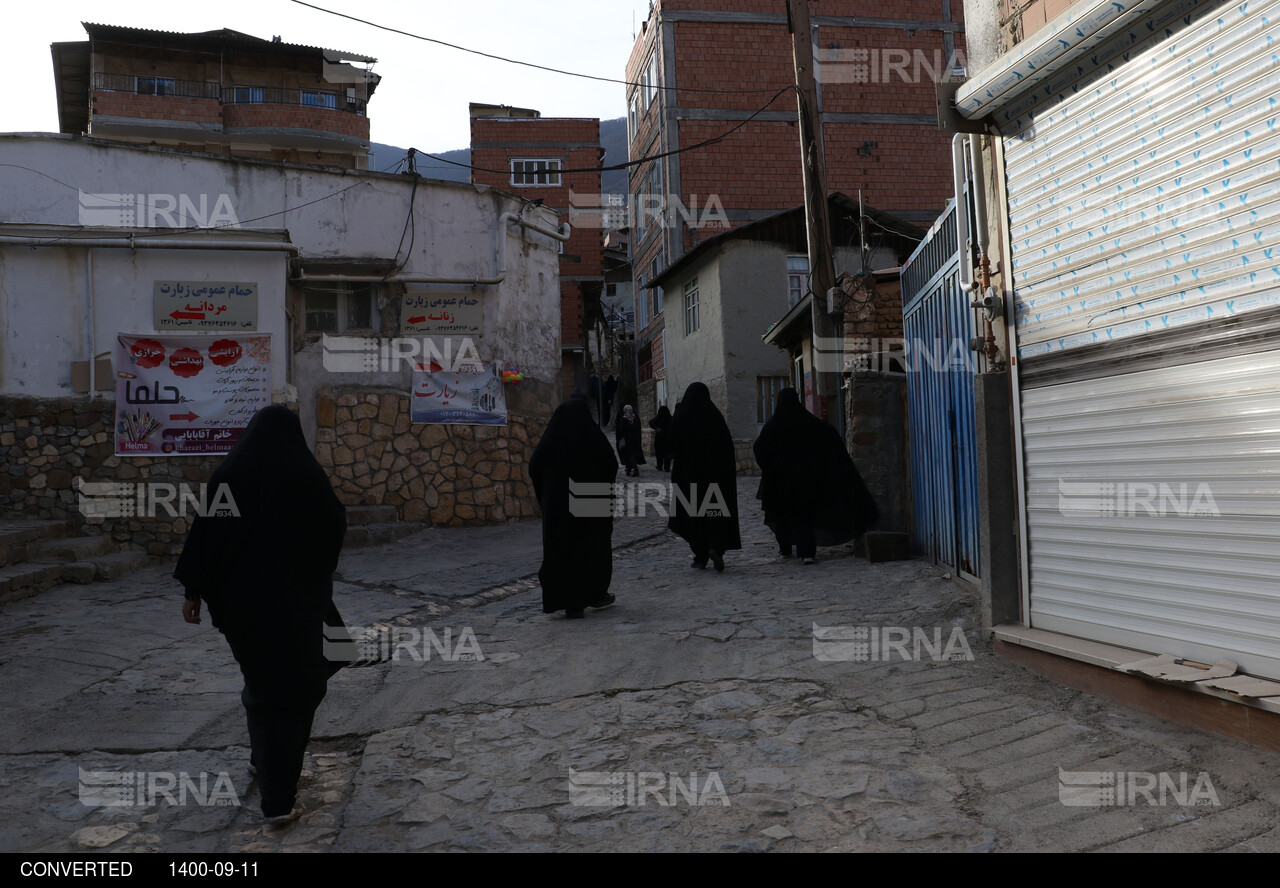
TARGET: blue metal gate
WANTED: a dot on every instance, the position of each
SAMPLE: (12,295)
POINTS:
(938,323)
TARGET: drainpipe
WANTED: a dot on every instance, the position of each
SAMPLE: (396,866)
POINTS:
(145,243)
(93,344)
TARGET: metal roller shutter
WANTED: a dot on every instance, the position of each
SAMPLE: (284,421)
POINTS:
(1144,207)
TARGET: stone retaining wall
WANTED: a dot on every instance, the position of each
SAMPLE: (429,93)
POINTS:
(444,474)
(47,444)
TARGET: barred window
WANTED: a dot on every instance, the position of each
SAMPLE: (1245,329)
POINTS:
(535,171)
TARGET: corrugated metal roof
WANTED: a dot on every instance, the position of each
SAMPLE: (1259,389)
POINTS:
(222,35)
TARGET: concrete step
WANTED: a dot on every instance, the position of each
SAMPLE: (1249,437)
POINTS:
(18,581)
(74,549)
(20,538)
(373,534)
(362,515)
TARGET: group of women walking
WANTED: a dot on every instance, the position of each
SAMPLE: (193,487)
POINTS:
(266,573)
(810,491)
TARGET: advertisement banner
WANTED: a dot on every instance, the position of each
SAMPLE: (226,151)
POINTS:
(469,394)
(188,395)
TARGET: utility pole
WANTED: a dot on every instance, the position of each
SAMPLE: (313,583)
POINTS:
(828,338)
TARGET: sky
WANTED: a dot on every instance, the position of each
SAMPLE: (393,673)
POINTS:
(425,89)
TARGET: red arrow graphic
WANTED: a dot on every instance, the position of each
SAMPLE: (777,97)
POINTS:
(195,315)
(189,417)
(418,320)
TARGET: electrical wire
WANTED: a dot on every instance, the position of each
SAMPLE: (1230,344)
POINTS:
(489,55)
(631,163)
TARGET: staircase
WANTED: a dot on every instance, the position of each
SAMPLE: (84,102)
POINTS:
(35,555)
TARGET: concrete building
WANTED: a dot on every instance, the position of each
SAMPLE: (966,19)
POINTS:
(555,162)
(1128,173)
(705,67)
(90,233)
(726,296)
(221,92)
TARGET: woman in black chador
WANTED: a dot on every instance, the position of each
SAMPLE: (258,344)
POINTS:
(628,438)
(661,425)
(810,489)
(266,575)
(704,508)
(573,470)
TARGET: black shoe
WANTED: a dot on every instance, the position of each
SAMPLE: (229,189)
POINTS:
(784,551)
(699,563)
(574,615)
(604,600)
(718,560)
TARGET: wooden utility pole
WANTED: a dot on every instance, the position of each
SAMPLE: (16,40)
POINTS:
(828,338)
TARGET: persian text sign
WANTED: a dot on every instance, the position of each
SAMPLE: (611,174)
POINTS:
(205,305)
(441,315)
(186,395)
(467,394)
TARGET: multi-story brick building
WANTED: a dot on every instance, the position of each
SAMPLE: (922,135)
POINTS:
(520,151)
(704,67)
(221,92)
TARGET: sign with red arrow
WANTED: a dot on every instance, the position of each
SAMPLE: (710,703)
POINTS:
(205,305)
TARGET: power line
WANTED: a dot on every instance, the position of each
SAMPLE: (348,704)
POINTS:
(489,55)
(630,163)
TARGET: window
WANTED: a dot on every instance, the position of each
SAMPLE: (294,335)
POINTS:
(339,308)
(156,86)
(797,278)
(533,171)
(767,388)
(633,117)
(249,95)
(662,389)
(320,99)
(654,270)
(649,82)
(692,319)
(642,297)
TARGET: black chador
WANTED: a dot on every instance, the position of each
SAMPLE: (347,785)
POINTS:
(266,576)
(627,435)
(810,489)
(661,425)
(704,508)
(573,469)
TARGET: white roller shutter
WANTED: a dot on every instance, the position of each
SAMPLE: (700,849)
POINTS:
(1144,207)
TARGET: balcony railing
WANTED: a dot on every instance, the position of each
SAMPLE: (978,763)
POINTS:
(229,95)
(307,98)
(147,85)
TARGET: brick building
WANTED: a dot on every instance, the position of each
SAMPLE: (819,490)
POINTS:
(703,66)
(522,152)
(222,92)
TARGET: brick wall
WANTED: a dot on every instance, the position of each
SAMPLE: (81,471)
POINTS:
(107,103)
(296,116)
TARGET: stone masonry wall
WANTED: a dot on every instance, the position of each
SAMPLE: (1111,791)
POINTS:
(46,444)
(444,474)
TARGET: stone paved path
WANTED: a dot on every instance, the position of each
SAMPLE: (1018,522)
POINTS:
(715,709)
